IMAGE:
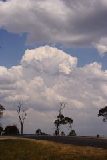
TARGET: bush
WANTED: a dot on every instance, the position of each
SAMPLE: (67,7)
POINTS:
(11,130)
(72,133)
(38,132)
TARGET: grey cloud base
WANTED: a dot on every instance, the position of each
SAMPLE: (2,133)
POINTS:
(73,23)
(47,76)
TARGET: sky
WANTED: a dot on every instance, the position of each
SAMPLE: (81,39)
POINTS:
(52,52)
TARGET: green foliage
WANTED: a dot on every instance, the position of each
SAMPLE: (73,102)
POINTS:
(103,113)
(1,110)
(61,119)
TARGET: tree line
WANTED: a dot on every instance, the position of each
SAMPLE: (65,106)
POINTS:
(21,116)
(60,120)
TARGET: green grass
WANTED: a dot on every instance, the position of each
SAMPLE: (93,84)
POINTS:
(25,149)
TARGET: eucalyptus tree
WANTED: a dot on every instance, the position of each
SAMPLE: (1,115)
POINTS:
(103,113)
(61,119)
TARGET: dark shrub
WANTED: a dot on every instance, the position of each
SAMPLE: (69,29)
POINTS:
(38,132)
(72,133)
(11,130)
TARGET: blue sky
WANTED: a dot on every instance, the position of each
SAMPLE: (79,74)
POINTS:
(12,48)
(59,33)
(14,45)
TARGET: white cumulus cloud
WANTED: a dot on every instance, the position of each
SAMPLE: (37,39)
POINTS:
(102,46)
(46,76)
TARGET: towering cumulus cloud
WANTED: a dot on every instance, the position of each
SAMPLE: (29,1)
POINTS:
(36,76)
(68,22)
(46,76)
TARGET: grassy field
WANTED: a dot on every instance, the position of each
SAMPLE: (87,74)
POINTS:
(25,149)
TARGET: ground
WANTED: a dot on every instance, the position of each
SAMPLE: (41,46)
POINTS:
(28,149)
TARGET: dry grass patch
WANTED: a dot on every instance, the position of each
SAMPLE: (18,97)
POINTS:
(25,149)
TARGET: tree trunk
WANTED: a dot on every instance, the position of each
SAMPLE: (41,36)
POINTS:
(21,128)
(57,129)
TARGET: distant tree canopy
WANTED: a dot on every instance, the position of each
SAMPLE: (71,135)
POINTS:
(2,108)
(38,132)
(11,130)
(61,119)
(103,113)
(72,133)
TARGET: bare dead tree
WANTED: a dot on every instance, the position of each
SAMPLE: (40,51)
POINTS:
(61,107)
(21,115)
